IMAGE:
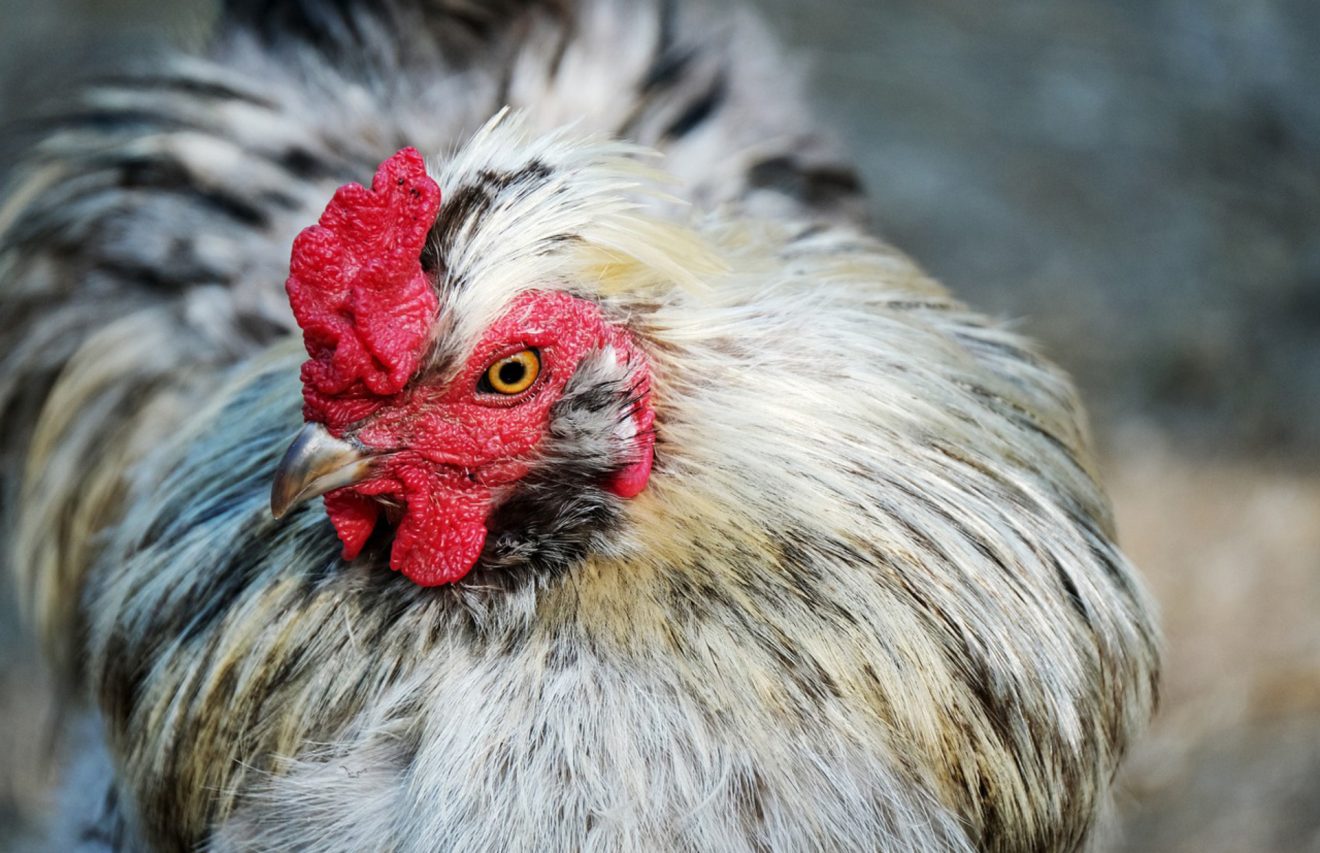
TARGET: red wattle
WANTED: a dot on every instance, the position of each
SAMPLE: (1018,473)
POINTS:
(443,530)
(630,482)
(354,517)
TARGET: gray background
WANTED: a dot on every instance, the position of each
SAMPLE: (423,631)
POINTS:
(1137,182)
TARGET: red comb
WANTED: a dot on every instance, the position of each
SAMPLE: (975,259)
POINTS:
(359,293)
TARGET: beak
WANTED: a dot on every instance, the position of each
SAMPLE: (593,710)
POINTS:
(314,464)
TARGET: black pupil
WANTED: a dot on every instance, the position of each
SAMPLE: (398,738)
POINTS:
(512,372)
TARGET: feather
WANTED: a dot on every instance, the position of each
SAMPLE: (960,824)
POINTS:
(869,597)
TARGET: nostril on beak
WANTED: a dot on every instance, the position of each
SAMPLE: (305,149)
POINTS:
(315,463)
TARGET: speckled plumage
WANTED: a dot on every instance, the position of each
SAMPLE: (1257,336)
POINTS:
(870,598)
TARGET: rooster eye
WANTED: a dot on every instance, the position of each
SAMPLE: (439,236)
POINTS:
(512,374)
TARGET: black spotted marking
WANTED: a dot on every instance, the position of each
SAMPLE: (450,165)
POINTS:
(1098,544)
(998,347)
(1022,418)
(551,522)
(667,69)
(388,34)
(567,34)
(193,87)
(463,208)
(166,175)
(530,173)
(108,120)
(223,586)
(796,562)
(1070,589)
(802,669)
(108,829)
(810,683)
(748,790)
(817,186)
(387,609)
(692,594)
(791,585)
(484,20)
(259,328)
(962,531)
(667,25)
(125,677)
(151,276)
(814,230)
(466,206)
(327,25)
(699,111)
(917,305)
(996,707)
(303,164)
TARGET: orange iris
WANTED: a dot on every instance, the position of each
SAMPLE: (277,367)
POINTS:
(515,373)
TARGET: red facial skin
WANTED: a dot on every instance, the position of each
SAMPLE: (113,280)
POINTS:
(444,453)
(448,451)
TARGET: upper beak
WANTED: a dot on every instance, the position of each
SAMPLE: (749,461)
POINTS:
(314,464)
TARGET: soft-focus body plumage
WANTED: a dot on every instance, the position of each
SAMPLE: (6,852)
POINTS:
(869,599)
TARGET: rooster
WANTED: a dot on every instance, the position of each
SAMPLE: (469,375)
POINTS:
(565,496)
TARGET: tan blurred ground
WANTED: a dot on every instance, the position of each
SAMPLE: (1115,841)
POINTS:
(1232,552)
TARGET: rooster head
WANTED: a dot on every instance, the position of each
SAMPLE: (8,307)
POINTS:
(542,413)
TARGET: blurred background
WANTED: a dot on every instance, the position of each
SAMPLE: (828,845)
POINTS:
(1137,184)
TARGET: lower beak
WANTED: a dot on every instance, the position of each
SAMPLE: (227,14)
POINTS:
(314,464)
